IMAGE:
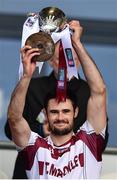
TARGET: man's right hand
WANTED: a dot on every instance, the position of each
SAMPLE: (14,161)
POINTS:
(27,53)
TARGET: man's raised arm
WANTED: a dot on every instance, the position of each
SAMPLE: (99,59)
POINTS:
(19,127)
(96,109)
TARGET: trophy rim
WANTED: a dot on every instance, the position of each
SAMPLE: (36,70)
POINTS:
(51,9)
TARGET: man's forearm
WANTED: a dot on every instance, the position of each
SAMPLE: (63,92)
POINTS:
(90,69)
(15,109)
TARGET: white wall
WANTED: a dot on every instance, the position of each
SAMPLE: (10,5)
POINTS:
(7,160)
(109,168)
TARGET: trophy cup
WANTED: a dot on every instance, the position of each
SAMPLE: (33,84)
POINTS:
(51,19)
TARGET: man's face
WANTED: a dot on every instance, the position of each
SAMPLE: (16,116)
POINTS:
(54,62)
(61,116)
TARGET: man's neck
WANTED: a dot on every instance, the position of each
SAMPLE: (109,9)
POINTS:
(59,140)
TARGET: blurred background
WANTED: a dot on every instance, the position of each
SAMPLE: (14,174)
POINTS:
(99,19)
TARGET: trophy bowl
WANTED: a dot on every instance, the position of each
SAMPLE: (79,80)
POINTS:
(44,43)
(51,19)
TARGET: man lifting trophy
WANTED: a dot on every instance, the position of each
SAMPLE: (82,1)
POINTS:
(48,36)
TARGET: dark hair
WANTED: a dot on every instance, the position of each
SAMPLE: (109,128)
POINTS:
(69,95)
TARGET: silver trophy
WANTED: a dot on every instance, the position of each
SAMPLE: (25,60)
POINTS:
(51,19)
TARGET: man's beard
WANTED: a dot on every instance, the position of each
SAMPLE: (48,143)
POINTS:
(60,132)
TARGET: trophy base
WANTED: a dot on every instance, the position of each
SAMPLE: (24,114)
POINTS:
(44,43)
